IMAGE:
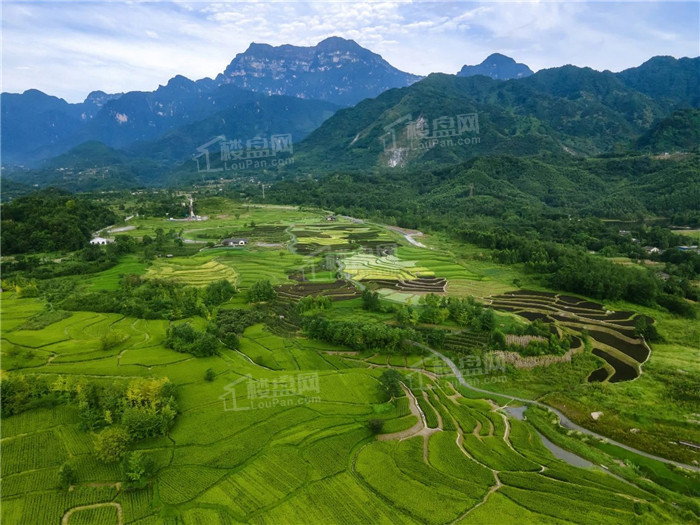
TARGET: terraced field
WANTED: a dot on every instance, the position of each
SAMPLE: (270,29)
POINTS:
(339,290)
(240,266)
(612,333)
(343,236)
(442,456)
(279,433)
(420,285)
(197,272)
(364,266)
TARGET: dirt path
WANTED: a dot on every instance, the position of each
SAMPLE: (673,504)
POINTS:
(493,489)
(408,234)
(419,429)
(120,514)
(291,245)
(416,429)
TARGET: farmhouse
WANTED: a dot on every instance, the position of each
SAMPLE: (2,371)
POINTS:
(234,242)
(331,218)
(100,240)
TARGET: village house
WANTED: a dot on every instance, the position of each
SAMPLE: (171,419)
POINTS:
(234,242)
(100,240)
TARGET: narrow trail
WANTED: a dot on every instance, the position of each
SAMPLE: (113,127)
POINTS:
(494,488)
(120,513)
(291,245)
(563,420)
(416,429)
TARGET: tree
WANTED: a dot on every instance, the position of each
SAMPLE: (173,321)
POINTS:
(311,302)
(112,443)
(375,425)
(137,467)
(370,301)
(645,329)
(209,375)
(407,316)
(218,292)
(498,340)
(487,320)
(66,476)
(183,338)
(111,339)
(261,291)
(391,382)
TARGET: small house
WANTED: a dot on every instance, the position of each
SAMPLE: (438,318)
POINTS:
(100,240)
(652,249)
(234,242)
(331,218)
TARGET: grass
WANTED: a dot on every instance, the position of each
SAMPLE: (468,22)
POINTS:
(110,279)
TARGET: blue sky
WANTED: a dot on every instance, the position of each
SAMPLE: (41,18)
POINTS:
(69,48)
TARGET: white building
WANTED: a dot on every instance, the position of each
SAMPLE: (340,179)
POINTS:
(100,240)
(234,242)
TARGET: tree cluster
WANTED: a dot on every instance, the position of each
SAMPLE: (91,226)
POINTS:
(361,336)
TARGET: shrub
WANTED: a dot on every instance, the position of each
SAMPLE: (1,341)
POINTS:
(375,425)
(66,476)
(112,339)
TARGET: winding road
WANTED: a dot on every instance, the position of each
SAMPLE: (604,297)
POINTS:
(563,420)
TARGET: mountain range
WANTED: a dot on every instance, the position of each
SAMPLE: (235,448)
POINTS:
(334,73)
(346,108)
(562,111)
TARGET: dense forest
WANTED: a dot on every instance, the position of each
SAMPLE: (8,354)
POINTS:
(555,216)
(51,220)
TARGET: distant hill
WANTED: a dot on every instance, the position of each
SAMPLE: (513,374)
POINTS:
(560,111)
(497,67)
(295,91)
(506,187)
(336,72)
(86,167)
(262,118)
(666,78)
(678,132)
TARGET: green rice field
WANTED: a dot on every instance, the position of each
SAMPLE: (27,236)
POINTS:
(276,428)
